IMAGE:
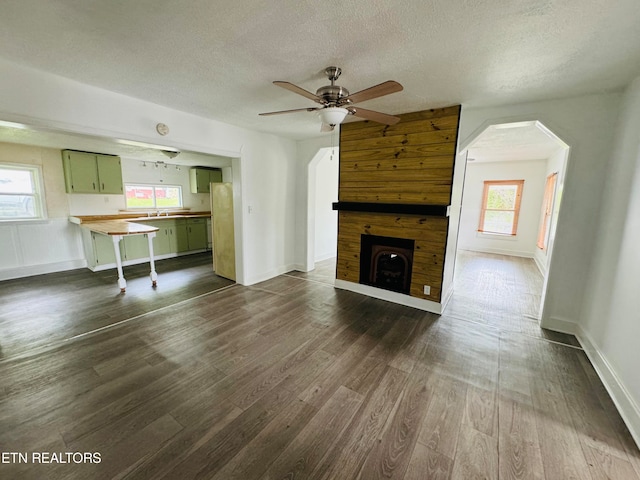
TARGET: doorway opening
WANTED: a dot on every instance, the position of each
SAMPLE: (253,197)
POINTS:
(506,234)
(322,220)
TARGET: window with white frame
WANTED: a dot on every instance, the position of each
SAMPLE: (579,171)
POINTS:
(153,196)
(21,193)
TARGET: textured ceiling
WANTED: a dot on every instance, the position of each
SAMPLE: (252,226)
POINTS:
(217,59)
(514,142)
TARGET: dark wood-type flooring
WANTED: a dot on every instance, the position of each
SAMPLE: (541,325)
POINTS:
(37,312)
(293,379)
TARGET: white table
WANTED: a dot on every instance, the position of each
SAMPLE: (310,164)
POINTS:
(117,230)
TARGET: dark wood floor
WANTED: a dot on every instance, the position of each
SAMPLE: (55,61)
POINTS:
(292,378)
(43,311)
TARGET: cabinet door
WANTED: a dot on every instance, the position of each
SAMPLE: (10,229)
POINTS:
(135,246)
(109,174)
(81,172)
(197,233)
(181,236)
(103,249)
(200,178)
(162,240)
(215,176)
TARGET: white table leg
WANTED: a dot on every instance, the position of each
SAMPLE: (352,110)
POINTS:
(122,283)
(153,275)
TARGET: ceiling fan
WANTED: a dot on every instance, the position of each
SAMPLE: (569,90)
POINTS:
(336,101)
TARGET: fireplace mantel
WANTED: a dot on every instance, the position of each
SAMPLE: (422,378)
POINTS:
(397,208)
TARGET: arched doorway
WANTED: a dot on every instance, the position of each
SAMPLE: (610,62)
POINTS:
(493,237)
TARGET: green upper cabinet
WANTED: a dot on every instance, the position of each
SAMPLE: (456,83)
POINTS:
(91,173)
(201,177)
(109,174)
(80,172)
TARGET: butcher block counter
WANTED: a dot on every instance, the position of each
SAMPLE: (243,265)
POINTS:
(118,226)
(133,217)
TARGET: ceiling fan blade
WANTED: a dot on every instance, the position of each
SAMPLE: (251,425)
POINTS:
(376,91)
(299,90)
(309,109)
(374,116)
(327,128)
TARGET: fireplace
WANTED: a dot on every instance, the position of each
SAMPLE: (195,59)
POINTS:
(386,262)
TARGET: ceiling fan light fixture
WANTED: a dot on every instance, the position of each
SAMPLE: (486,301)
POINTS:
(333,115)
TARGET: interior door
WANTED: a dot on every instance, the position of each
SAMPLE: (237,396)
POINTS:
(224,250)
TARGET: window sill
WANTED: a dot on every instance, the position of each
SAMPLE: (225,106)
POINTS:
(25,221)
(496,236)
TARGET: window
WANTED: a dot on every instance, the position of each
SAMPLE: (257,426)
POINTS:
(153,196)
(21,196)
(500,207)
(547,211)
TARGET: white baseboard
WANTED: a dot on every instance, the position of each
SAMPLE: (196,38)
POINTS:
(299,267)
(270,274)
(30,270)
(325,256)
(446,297)
(541,267)
(399,298)
(498,251)
(560,325)
(627,407)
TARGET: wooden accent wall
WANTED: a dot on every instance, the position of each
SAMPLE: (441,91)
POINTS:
(407,163)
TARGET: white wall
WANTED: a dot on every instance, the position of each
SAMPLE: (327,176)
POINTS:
(326,219)
(35,247)
(610,326)
(264,177)
(587,125)
(523,244)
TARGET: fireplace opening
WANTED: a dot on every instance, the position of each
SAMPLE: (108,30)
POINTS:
(386,262)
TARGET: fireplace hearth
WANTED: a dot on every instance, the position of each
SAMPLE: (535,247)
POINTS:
(386,262)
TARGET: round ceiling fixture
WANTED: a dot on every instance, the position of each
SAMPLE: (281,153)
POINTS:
(162,129)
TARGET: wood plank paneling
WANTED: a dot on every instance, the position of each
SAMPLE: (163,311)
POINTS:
(407,126)
(402,152)
(407,163)
(424,162)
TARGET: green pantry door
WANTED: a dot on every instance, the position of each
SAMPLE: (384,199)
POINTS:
(224,250)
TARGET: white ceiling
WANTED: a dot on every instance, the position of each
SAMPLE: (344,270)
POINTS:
(218,58)
(514,142)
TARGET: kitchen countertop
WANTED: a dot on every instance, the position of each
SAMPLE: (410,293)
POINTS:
(119,227)
(126,223)
(134,217)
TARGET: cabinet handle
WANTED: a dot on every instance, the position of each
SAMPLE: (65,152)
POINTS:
(94,185)
(103,186)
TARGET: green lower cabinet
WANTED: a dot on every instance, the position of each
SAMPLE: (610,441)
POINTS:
(103,251)
(162,240)
(181,236)
(197,233)
(173,236)
(134,247)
